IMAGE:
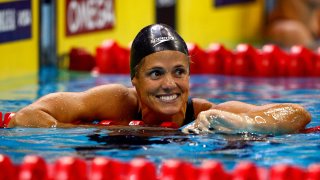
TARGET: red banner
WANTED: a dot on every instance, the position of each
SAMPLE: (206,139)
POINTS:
(83,16)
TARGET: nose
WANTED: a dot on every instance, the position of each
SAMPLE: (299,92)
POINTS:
(168,82)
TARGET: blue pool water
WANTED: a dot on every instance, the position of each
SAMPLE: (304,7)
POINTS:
(125,144)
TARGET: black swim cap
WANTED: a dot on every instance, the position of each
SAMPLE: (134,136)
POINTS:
(154,38)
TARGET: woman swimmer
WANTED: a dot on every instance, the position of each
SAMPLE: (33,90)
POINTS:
(159,65)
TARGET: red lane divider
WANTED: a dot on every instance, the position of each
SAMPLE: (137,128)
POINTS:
(220,60)
(175,169)
(73,168)
(70,168)
(301,61)
(313,172)
(198,58)
(33,167)
(81,60)
(105,57)
(112,58)
(316,71)
(7,118)
(284,171)
(277,56)
(245,170)
(267,65)
(7,168)
(211,169)
(315,129)
(107,123)
(166,124)
(169,124)
(245,60)
(136,123)
(106,168)
(140,169)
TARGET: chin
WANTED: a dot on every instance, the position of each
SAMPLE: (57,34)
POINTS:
(170,110)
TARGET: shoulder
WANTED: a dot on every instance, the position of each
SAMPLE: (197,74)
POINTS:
(109,87)
(201,105)
(111,101)
(117,90)
(115,93)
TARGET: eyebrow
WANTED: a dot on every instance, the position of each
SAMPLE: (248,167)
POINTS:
(160,67)
(178,66)
(155,68)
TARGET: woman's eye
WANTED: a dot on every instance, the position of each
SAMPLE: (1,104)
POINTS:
(180,72)
(155,74)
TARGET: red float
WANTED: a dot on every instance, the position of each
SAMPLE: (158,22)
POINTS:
(278,57)
(316,66)
(311,130)
(141,169)
(301,61)
(107,122)
(111,58)
(246,171)
(33,167)
(69,168)
(105,57)
(286,172)
(7,169)
(136,123)
(219,59)
(81,60)
(313,172)
(106,168)
(244,60)
(122,58)
(266,64)
(198,60)
(169,124)
(211,169)
(7,118)
(174,169)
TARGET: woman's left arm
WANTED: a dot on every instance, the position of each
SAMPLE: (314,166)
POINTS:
(235,117)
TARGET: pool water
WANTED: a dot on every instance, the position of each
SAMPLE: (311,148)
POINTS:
(157,146)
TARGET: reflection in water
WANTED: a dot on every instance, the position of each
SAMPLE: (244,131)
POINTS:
(139,143)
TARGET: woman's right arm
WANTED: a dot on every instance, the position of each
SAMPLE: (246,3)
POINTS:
(235,117)
(59,109)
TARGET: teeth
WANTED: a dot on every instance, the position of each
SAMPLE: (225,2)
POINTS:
(168,98)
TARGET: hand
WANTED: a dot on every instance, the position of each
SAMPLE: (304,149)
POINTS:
(214,120)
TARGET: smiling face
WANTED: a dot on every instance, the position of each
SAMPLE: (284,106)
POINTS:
(162,83)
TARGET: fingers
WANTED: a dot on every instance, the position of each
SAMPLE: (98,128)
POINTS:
(214,120)
(202,120)
(200,126)
(190,129)
(229,120)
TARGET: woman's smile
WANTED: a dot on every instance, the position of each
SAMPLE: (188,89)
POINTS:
(168,98)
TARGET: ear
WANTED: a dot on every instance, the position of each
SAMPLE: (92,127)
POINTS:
(134,81)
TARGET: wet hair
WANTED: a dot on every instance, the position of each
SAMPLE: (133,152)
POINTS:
(154,38)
